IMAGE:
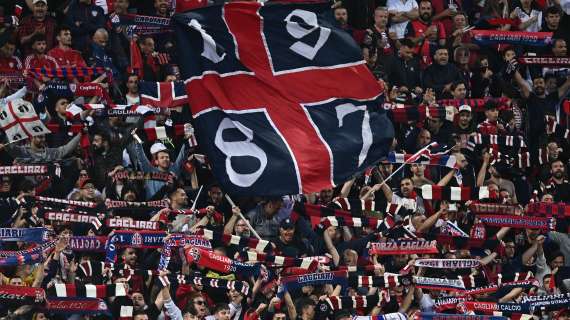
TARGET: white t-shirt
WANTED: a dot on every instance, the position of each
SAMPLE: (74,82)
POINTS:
(534,27)
(401,6)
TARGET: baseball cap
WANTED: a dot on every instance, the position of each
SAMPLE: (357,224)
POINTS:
(465,108)
(36,1)
(287,224)
(157,147)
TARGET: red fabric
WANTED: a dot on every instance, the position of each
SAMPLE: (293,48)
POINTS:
(487,127)
(136,59)
(184,5)
(11,64)
(28,25)
(43,61)
(67,57)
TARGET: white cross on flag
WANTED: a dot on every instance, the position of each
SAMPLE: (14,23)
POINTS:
(19,120)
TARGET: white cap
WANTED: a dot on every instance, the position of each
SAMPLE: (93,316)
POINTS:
(157,147)
(36,1)
(465,108)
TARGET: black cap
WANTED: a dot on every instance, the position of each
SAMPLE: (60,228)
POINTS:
(287,224)
(342,314)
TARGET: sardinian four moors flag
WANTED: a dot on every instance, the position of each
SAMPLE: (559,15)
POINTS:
(19,120)
(283,102)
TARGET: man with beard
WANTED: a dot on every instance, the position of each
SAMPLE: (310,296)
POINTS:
(105,158)
(539,105)
(425,33)
(63,54)
(287,244)
(406,196)
(557,185)
(440,75)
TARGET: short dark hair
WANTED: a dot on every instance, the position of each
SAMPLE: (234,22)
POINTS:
(219,307)
(37,37)
(456,84)
(556,160)
(553,10)
(62,28)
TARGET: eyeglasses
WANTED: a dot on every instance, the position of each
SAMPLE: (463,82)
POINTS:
(200,302)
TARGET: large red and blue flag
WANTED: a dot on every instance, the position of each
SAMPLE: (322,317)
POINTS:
(163,94)
(283,102)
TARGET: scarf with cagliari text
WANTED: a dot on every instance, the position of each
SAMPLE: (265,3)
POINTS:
(81,306)
(490,37)
(88,290)
(439,283)
(144,239)
(308,263)
(20,295)
(295,282)
(36,235)
(447,263)
(87,243)
(546,61)
(240,286)
(73,217)
(259,245)
(493,208)
(403,247)
(477,105)
(31,170)
(388,316)
(180,240)
(210,260)
(491,307)
(549,302)
(517,222)
(446,316)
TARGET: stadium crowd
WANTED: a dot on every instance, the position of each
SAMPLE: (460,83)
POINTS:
(480,217)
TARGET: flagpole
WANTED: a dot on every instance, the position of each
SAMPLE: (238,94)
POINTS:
(196,198)
(243,218)
(410,159)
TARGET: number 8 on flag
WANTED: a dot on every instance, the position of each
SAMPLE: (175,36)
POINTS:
(283,102)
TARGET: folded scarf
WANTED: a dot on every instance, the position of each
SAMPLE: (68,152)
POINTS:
(403,247)
(493,208)
(117,204)
(388,280)
(88,290)
(73,217)
(380,225)
(491,139)
(36,235)
(559,210)
(210,260)
(65,202)
(355,206)
(518,222)
(230,239)
(425,159)
(308,263)
(400,113)
(477,105)
(20,295)
(240,286)
(546,61)
(434,192)
(353,302)
(137,19)
(81,306)
(452,229)
(143,176)
(447,263)
(489,37)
